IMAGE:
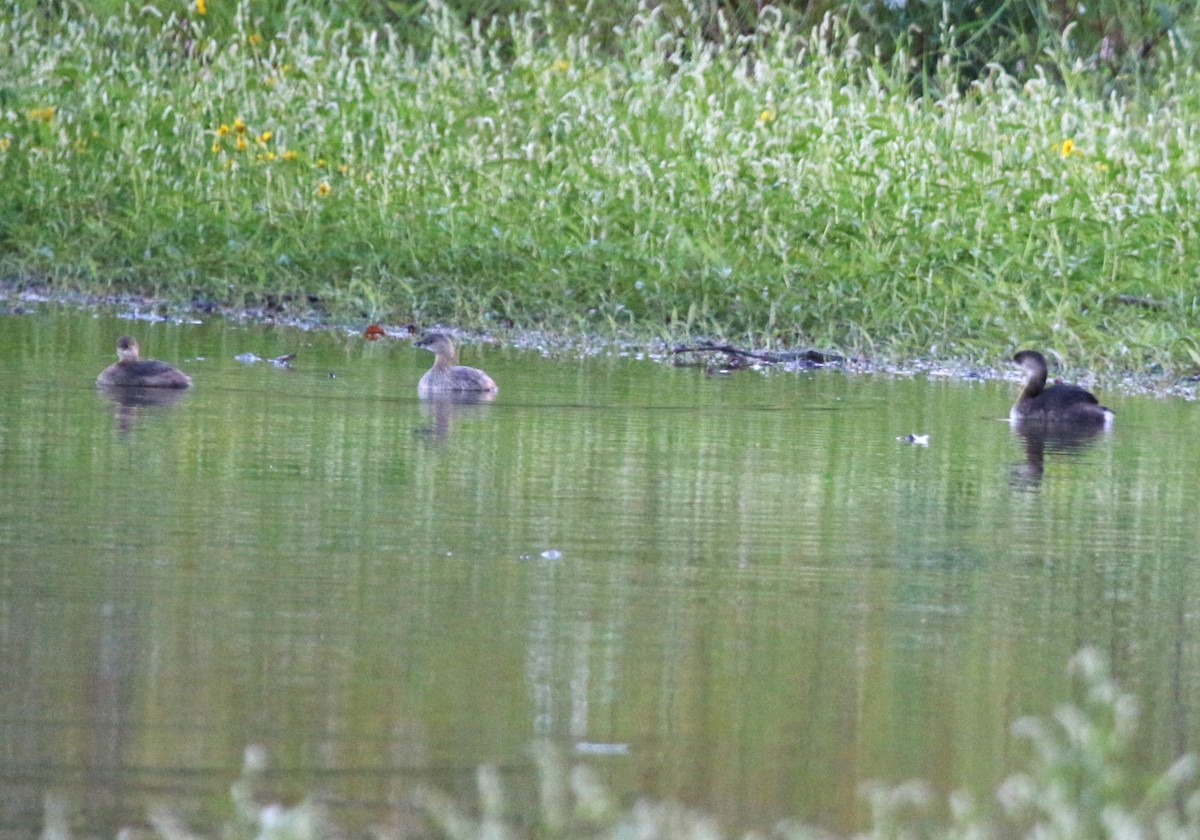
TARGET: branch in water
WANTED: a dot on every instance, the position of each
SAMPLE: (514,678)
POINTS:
(812,357)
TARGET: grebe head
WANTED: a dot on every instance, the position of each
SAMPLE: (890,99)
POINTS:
(127,349)
(436,342)
(1032,361)
(440,345)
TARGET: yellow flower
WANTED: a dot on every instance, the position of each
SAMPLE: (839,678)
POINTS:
(1067,148)
(223,130)
(216,147)
(43,114)
(266,136)
(344,169)
(241,144)
(323,189)
(255,39)
(561,66)
(290,155)
(5,143)
(201,7)
(239,125)
(320,163)
(270,156)
(766,116)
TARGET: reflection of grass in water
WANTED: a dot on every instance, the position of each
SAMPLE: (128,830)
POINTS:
(1079,783)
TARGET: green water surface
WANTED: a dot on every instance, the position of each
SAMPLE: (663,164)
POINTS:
(740,591)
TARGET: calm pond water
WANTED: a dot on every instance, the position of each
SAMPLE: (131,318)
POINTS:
(740,591)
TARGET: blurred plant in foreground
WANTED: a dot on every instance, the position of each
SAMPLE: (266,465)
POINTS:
(1080,784)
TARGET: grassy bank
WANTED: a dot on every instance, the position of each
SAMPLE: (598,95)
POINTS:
(778,187)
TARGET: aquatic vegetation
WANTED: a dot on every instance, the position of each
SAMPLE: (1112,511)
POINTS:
(779,185)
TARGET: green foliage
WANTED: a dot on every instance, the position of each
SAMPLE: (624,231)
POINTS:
(780,184)
(1120,38)
(1125,42)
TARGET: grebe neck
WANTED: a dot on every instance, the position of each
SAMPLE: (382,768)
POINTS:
(445,360)
(1035,384)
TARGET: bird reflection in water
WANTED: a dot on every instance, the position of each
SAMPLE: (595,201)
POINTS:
(133,404)
(1042,438)
(443,411)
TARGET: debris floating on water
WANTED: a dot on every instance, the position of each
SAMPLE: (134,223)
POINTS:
(601,748)
(284,361)
(917,440)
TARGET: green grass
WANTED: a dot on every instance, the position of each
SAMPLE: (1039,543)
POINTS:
(777,187)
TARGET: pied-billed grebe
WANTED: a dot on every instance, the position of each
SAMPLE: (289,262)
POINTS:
(1058,403)
(131,371)
(445,376)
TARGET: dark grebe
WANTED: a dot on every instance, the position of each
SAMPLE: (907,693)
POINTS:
(445,376)
(1058,403)
(131,371)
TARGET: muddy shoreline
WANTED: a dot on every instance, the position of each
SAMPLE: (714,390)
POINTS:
(17,298)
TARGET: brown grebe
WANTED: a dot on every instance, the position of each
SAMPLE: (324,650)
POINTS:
(131,371)
(445,376)
(1058,403)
